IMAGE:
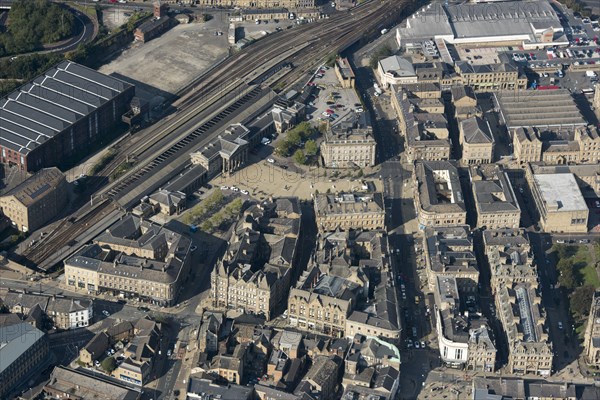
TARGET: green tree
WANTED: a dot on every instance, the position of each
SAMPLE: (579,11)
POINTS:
(567,279)
(109,364)
(300,157)
(581,300)
(311,147)
(565,264)
(293,137)
(283,148)
(33,23)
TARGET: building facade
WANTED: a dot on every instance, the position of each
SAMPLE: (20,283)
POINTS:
(559,202)
(37,200)
(495,201)
(349,211)
(38,133)
(438,197)
(344,73)
(422,122)
(133,259)
(349,143)
(477,141)
(255,273)
(449,253)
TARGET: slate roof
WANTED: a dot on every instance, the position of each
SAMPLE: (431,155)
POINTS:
(16,340)
(476,131)
(36,187)
(50,103)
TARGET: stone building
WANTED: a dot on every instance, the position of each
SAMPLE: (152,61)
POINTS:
(423,124)
(82,386)
(495,201)
(491,77)
(438,197)
(344,73)
(477,141)
(37,200)
(255,272)
(347,211)
(464,338)
(591,341)
(322,377)
(227,153)
(326,295)
(510,258)
(547,125)
(558,202)
(449,253)
(349,143)
(464,102)
(586,175)
(523,319)
(134,258)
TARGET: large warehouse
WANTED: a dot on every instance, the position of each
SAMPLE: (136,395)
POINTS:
(531,24)
(60,115)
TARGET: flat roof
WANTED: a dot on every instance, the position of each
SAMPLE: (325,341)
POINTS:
(561,189)
(50,103)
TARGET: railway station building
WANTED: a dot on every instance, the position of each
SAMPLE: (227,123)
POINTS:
(60,115)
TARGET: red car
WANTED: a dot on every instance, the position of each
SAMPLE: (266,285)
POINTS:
(329,111)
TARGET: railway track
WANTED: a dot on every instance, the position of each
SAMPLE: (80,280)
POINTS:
(315,40)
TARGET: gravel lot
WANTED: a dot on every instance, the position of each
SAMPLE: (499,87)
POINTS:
(184,53)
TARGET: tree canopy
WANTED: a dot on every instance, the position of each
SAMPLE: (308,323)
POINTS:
(32,23)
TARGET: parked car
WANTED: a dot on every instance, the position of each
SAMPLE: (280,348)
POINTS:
(169,353)
(270,160)
(244,191)
(106,313)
